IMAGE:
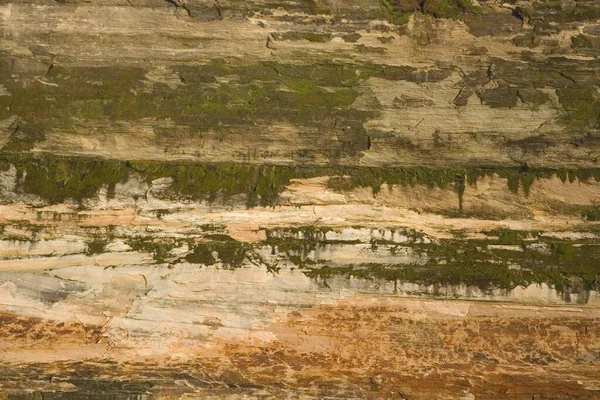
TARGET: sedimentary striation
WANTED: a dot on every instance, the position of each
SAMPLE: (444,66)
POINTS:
(299,199)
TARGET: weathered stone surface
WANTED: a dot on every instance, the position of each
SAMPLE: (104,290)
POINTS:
(299,199)
(282,83)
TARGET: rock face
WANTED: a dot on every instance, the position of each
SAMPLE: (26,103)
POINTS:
(299,199)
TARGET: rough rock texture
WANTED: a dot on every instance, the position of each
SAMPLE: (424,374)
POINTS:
(311,81)
(299,199)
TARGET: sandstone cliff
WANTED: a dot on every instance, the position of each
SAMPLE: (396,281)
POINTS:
(299,199)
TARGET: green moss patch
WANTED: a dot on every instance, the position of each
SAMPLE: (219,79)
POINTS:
(56,179)
(96,246)
(582,104)
(592,213)
(569,267)
(219,248)
(448,8)
(582,41)
(161,249)
(398,11)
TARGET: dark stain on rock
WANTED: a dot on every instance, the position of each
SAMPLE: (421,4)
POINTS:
(361,48)
(351,37)
(532,96)
(475,78)
(502,96)
(547,16)
(477,51)
(399,11)
(493,22)
(593,30)
(462,98)
(587,43)
(534,145)
(315,37)
(405,101)
(528,39)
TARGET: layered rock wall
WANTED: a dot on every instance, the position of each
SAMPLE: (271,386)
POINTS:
(299,199)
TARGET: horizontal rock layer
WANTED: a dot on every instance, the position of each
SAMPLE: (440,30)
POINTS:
(315,82)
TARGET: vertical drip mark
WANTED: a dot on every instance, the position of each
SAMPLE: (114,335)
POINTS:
(459,187)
